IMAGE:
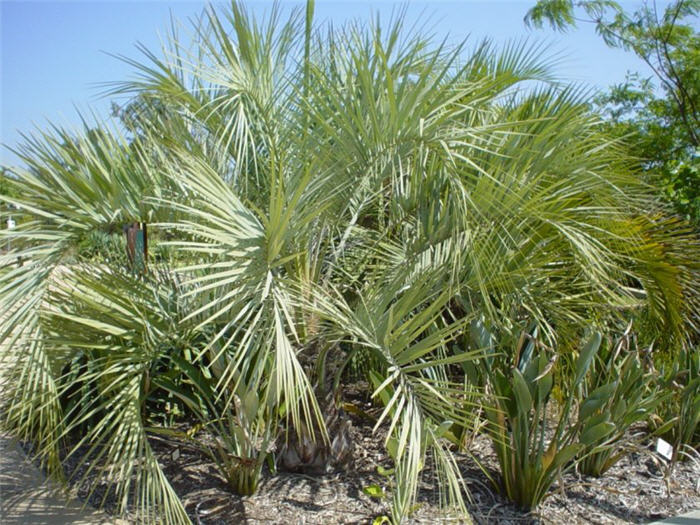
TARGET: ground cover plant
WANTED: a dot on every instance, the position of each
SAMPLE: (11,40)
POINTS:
(325,200)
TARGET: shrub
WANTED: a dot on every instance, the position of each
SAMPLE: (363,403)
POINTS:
(534,441)
(375,192)
(622,392)
(677,418)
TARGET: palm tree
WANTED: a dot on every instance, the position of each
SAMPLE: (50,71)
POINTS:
(328,193)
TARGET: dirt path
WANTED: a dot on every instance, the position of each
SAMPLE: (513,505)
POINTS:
(28,498)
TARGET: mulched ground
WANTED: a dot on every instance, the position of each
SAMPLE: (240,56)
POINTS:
(633,491)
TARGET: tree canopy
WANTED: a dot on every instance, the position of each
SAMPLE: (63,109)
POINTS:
(659,117)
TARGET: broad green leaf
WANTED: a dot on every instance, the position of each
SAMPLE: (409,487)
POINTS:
(596,400)
(374,491)
(522,393)
(597,433)
(585,359)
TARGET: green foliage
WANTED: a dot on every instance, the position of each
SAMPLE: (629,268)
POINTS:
(374,491)
(678,417)
(100,247)
(6,186)
(533,444)
(112,332)
(620,391)
(651,125)
(660,128)
(370,200)
(239,430)
(360,362)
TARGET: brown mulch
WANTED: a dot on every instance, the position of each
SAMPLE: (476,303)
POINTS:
(633,491)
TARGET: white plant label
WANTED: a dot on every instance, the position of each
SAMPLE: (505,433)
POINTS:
(176,454)
(664,448)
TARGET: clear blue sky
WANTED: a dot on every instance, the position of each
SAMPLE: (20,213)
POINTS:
(53,53)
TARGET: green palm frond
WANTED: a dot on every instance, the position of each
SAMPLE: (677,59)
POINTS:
(71,185)
(123,326)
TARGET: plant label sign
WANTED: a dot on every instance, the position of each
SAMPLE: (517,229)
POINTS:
(664,449)
(137,245)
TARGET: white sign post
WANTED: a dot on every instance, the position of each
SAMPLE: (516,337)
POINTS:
(11,225)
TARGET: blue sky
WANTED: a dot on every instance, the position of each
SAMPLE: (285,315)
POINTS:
(54,53)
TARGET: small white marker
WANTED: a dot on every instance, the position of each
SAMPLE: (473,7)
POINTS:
(664,448)
(175,454)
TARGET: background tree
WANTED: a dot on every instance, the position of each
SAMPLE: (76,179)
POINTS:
(5,186)
(658,115)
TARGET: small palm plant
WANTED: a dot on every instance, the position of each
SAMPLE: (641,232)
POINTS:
(239,433)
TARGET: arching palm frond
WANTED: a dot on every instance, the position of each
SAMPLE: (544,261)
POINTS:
(71,186)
